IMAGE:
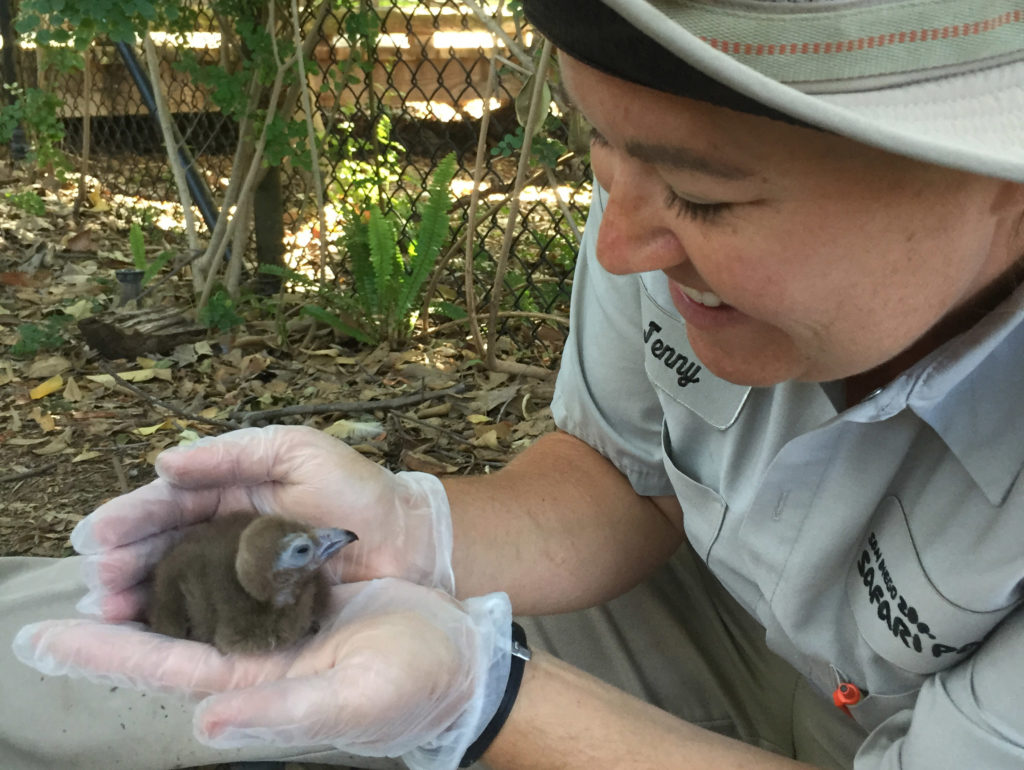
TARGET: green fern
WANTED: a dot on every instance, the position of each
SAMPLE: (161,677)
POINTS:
(387,265)
(433,232)
(357,245)
(388,284)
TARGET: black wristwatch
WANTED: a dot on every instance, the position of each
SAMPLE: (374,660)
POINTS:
(520,654)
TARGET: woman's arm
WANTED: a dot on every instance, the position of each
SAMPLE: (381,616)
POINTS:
(565,719)
(558,529)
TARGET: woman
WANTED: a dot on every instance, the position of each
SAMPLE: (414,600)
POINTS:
(789,453)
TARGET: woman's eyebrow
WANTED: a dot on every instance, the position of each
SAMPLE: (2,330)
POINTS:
(672,156)
(683,158)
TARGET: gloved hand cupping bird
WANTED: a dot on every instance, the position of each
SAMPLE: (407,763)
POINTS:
(402,520)
(243,534)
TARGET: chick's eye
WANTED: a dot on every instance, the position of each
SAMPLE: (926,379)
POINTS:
(302,550)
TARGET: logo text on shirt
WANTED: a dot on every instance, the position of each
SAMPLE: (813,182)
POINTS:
(903,619)
(686,369)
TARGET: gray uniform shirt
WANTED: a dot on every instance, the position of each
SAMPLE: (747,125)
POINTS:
(881,545)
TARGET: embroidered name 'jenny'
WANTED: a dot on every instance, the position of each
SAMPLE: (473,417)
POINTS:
(672,358)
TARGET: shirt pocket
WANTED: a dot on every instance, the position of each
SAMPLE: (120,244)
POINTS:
(898,612)
(703,508)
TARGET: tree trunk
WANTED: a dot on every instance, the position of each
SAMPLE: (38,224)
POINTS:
(268,216)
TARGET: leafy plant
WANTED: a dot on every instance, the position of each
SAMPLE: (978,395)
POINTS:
(49,334)
(388,278)
(389,284)
(28,201)
(137,245)
(219,313)
(37,112)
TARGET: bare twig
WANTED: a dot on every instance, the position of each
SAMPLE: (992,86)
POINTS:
(348,406)
(27,474)
(243,227)
(559,319)
(474,202)
(514,367)
(122,479)
(529,129)
(562,206)
(170,141)
(445,431)
(252,173)
(494,26)
(86,129)
(122,382)
(318,185)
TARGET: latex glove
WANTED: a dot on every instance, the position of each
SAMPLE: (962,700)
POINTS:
(399,670)
(403,520)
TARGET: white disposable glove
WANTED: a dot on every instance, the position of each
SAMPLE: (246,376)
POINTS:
(403,520)
(398,669)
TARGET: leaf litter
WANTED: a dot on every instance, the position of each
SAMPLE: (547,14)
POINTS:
(76,429)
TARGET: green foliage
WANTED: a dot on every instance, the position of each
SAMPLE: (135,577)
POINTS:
(48,334)
(36,111)
(219,312)
(545,150)
(28,201)
(137,245)
(388,283)
(364,168)
(76,22)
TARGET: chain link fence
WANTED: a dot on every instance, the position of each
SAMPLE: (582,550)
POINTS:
(422,98)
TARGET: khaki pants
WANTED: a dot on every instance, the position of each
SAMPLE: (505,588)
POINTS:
(678,641)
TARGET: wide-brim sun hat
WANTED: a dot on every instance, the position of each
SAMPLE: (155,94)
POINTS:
(937,80)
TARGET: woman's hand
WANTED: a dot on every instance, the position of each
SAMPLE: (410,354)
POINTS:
(403,520)
(399,669)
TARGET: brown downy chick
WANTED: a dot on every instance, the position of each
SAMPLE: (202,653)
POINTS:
(244,582)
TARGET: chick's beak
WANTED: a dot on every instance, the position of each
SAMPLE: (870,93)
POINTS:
(331,540)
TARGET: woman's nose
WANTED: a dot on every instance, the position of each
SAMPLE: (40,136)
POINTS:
(635,234)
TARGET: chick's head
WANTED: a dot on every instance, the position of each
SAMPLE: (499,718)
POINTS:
(277,556)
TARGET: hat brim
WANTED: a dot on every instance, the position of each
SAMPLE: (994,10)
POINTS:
(970,120)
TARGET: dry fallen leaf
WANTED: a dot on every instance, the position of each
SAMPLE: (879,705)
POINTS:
(82,240)
(149,430)
(135,375)
(47,366)
(71,391)
(58,445)
(416,461)
(46,387)
(43,419)
(354,430)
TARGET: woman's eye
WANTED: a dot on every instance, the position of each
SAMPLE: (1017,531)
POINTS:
(683,207)
(701,212)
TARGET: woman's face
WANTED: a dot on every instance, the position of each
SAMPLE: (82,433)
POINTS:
(790,253)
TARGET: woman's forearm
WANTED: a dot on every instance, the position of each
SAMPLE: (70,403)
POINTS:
(558,529)
(565,719)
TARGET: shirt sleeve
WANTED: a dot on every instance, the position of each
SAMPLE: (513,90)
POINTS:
(968,716)
(603,395)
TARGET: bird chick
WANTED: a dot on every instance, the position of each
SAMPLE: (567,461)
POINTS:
(244,582)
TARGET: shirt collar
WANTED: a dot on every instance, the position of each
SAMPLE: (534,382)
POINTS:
(971,392)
